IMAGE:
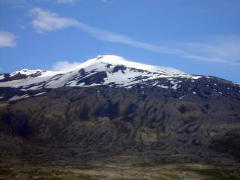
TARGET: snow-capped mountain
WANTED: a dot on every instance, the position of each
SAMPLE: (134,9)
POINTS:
(112,105)
(103,70)
(108,70)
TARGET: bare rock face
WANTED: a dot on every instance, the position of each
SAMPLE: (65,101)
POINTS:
(194,122)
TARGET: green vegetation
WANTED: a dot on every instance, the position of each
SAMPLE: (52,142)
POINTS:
(171,176)
(121,172)
(66,177)
(214,173)
(41,174)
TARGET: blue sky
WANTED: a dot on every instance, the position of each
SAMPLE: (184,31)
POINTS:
(198,37)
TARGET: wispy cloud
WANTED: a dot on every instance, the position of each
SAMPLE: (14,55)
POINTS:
(24,3)
(223,50)
(106,1)
(48,21)
(65,1)
(64,65)
(7,39)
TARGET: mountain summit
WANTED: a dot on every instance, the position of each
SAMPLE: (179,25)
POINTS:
(107,70)
(102,70)
(110,106)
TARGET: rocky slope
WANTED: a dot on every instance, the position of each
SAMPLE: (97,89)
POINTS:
(104,108)
(110,70)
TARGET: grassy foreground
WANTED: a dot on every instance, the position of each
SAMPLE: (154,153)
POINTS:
(113,171)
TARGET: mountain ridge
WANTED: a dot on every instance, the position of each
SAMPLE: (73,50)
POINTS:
(107,70)
(107,63)
(105,109)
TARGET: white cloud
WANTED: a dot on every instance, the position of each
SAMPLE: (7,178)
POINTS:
(48,21)
(64,65)
(7,39)
(65,1)
(223,50)
(24,3)
(106,1)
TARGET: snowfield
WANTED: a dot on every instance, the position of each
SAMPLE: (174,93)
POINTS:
(117,71)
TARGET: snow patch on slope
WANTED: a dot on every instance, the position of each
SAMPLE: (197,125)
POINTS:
(1,77)
(118,71)
(26,72)
(16,98)
(117,60)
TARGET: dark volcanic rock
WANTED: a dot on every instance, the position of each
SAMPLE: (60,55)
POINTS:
(94,79)
(103,120)
(18,76)
(228,143)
